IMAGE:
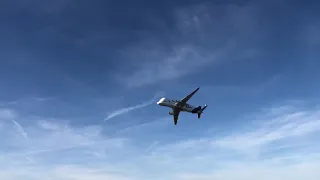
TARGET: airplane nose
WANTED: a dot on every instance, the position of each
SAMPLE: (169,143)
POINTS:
(160,102)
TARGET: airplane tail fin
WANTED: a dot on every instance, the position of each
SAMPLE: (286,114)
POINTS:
(201,110)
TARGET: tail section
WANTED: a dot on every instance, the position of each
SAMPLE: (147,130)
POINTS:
(200,111)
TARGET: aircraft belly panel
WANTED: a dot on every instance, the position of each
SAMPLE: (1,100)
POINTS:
(186,109)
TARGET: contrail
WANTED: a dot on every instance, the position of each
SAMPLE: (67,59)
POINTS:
(131,108)
(39,151)
(20,129)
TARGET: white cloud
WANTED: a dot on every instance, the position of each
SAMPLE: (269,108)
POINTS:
(20,129)
(49,125)
(166,66)
(74,172)
(159,63)
(6,113)
(262,172)
(281,127)
(28,100)
(275,149)
(10,114)
(285,138)
(198,41)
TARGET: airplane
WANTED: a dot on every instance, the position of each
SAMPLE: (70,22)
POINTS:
(181,105)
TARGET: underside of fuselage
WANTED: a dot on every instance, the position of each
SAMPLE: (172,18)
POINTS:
(174,104)
(178,106)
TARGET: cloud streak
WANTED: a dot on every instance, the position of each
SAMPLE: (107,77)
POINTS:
(7,114)
(132,108)
(279,144)
(292,124)
(161,62)
(196,43)
(29,100)
(181,62)
(236,50)
(281,140)
(20,129)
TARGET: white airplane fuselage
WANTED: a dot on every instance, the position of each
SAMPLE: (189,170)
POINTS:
(172,104)
(178,106)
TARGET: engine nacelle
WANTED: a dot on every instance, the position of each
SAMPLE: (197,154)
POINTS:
(171,113)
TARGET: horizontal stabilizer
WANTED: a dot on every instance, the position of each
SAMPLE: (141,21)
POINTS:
(201,110)
(205,106)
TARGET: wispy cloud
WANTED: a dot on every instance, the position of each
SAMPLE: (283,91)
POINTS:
(168,66)
(20,129)
(7,114)
(285,140)
(194,44)
(51,138)
(288,125)
(151,146)
(131,108)
(29,100)
(162,63)
(46,137)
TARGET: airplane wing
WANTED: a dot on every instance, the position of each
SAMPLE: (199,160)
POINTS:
(176,113)
(186,99)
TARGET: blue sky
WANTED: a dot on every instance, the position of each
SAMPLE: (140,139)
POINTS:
(80,79)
